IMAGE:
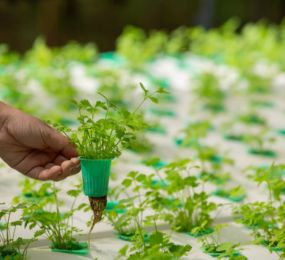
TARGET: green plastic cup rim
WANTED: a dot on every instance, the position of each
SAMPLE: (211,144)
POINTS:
(88,159)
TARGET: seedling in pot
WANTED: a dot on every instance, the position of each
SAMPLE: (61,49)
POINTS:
(216,177)
(266,219)
(257,84)
(57,224)
(137,48)
(181,205)
(12,247)
(147,245)
(252,119)
(210,92)
(33,190)
(227,250)
(158,246)
(132,222)
(236,194)
(118,215)
(104,131)
(193,133)
(156,128)
(260,144)
(273,177)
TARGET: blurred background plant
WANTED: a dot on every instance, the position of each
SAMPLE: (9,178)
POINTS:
(21,21)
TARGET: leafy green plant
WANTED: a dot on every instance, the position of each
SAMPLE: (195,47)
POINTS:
(235,194)
(11,246)
(54,223)
(266,219)
(31,190)
(119,215)
(273,178)
(158,246)
(179,202)
(252,119)
(226,250)
(133,221)
(103,136)
(137,48)
(208,89)
(260,143)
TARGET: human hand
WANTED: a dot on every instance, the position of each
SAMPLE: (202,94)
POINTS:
(33,148)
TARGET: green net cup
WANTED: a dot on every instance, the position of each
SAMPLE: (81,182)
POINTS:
(95,175)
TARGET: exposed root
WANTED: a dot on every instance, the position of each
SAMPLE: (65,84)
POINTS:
(97,205)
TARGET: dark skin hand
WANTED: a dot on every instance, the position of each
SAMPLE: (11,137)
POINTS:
(33,148)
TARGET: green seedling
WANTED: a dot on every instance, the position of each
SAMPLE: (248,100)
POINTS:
(11,246)
(55,223)
(227,250)
(236,194)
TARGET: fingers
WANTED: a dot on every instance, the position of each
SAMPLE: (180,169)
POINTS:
(54,172)
(49,172)
(57,142)
(69,167)
(59,159)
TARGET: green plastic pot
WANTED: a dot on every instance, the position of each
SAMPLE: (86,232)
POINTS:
(233,137)
(162,112)
(157,130)
(204,232)
(281,131)
(115,206)
(95,175)
(223,194)
(82,251)
(129,237)
(273,248)
(217,254)
(266,153)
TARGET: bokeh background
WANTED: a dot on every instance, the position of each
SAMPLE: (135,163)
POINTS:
(101,21)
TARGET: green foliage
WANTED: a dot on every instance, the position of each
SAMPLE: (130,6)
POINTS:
(273,177)
(12,246)
(137,48)
(158,246)
(105,129)
(266,219)
(208,89)
(179,202)
(226,250)
(54,223)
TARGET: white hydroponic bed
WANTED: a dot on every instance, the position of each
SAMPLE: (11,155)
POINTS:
(105,244)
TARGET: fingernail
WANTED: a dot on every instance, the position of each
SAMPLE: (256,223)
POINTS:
(75,160)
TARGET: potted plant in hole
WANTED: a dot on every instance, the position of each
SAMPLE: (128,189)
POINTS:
(193,133)
(104,131)
(212,246)
(209,90)
(12,247)
(260,144)
(186,203)
(152,244)
(158,246)
(33,190)
(252,118)
(118,215)
(57,224)
(236,194)
(132,220)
